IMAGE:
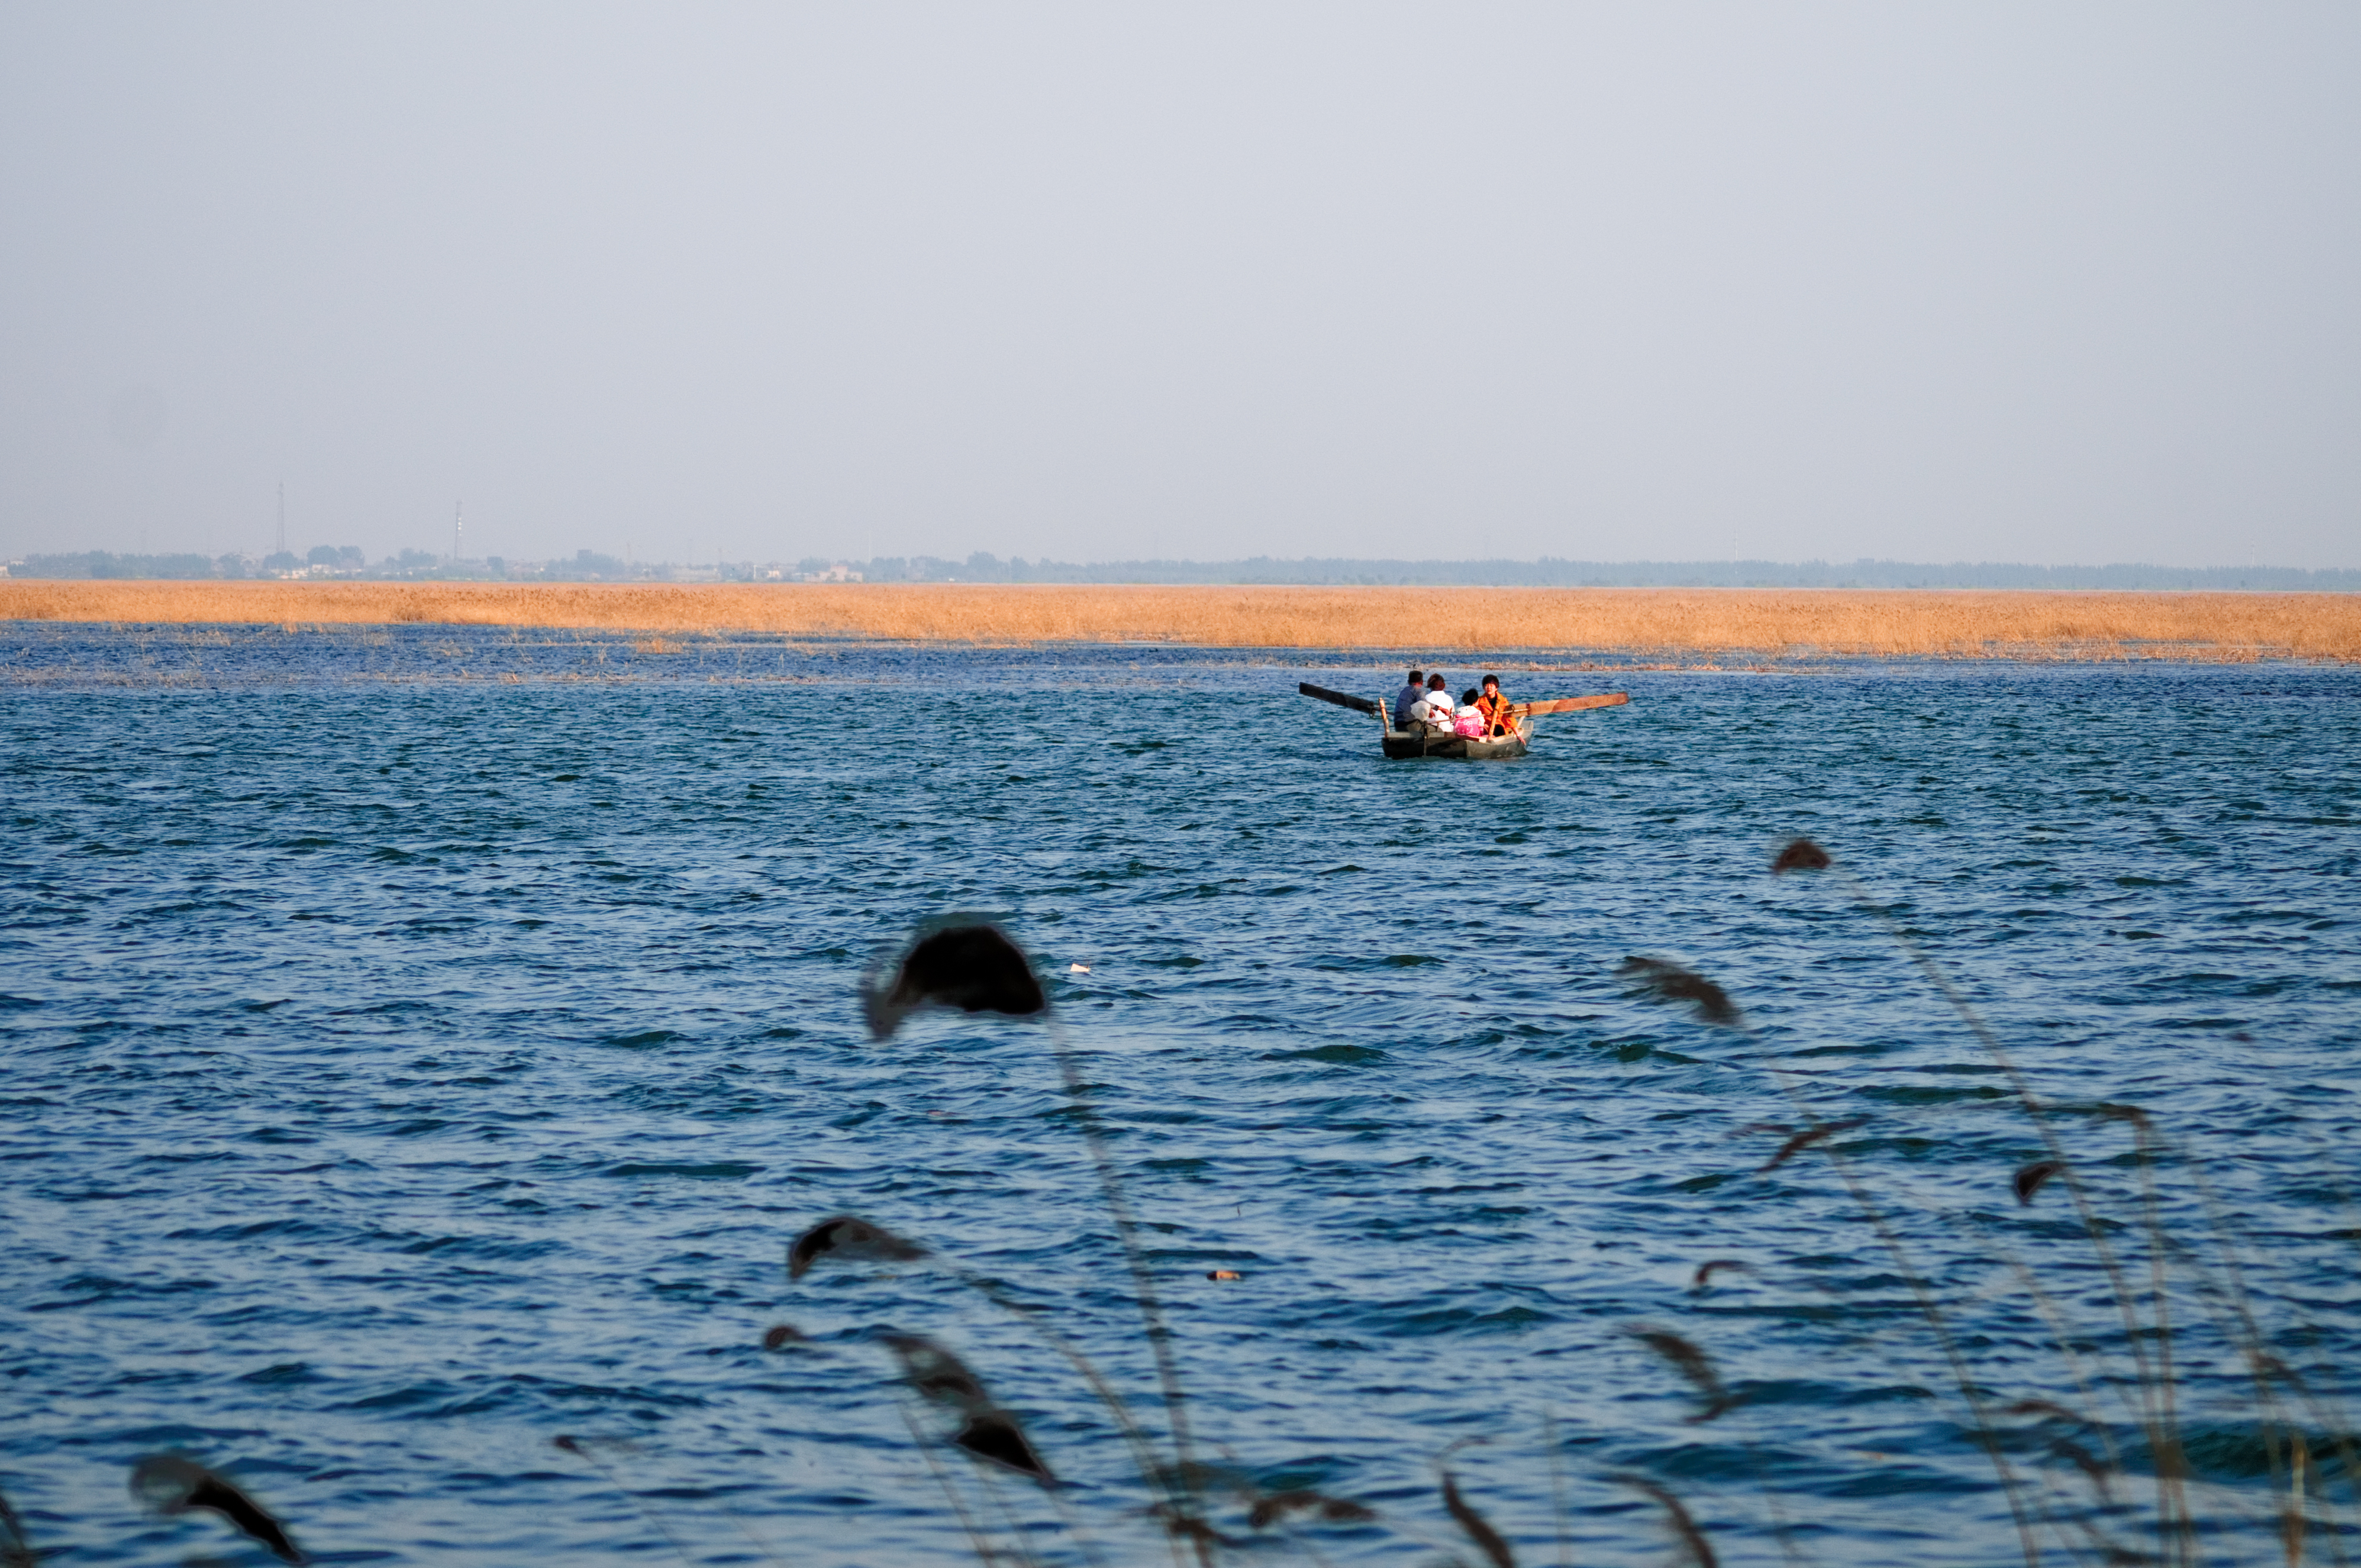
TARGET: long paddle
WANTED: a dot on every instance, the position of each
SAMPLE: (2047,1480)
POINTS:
(1358,703)
(1569,704)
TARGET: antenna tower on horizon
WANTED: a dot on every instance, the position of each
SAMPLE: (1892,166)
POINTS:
(459,524)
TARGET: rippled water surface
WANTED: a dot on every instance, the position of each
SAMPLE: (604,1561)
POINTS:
(406,1065)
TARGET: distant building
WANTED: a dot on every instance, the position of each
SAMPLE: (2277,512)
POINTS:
(839,573)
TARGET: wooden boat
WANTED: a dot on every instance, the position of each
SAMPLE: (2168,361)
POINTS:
(1419,741)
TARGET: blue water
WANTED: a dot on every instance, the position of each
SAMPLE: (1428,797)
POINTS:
(406,1065)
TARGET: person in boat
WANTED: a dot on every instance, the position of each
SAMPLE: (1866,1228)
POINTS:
(1497,720)
(1468,721)
(1434,708)
(1406,696)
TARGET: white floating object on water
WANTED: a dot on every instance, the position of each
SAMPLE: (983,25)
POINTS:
(1078,968)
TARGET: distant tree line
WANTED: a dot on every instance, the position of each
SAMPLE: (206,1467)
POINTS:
(99,563)
(333,561)
(590,565)
(328,558)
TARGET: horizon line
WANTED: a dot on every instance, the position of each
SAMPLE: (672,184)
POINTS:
(987,558)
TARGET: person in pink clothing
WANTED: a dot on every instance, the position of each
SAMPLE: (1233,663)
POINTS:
(1468,720)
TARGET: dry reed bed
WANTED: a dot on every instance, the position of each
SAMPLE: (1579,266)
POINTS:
(2205,627)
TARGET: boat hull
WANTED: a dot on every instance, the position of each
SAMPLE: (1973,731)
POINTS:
(1401,744)
(1419,741)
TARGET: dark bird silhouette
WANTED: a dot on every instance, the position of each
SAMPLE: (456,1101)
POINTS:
(1800,855)
(1671,983)
(972,967)
(846,1240)
(172,1484)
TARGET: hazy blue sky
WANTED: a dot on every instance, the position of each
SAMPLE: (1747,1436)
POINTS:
(2043,281)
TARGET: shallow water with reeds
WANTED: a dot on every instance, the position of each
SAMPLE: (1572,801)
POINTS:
(407,1065)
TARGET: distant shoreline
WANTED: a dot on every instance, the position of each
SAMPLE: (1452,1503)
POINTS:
(1979,623)
(349,564)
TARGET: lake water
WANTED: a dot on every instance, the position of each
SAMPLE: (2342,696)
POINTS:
(407,1065)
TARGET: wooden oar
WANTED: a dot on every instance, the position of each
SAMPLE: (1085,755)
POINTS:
(1569,704)
(1358,703)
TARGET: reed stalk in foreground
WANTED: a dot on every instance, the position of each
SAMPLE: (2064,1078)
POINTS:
(975,967)
(2153,1377)
(824,1242)
(1478,1528)
(16,1549)
(172,1484)
(2154,1384)
(587,1452)
(1672,982)
(1685,1528)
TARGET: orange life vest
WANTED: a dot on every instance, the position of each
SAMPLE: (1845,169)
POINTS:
(1494,706)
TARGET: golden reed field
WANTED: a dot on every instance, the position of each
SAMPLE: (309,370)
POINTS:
(1766,622)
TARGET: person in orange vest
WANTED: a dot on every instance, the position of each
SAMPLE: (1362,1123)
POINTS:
(1497,720)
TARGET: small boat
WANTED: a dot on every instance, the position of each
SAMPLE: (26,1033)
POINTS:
(1419,741)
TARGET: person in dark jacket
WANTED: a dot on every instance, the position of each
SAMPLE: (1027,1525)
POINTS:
(1433,707)
(1404,698)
